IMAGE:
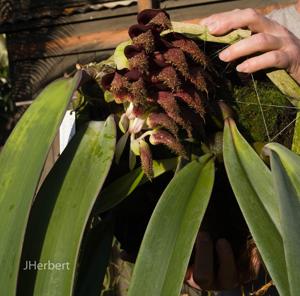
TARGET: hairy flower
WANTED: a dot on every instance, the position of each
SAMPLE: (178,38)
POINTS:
(146,159)
(159,18)
(169,78)
(118,85)
(190,47)
(142,36)
(176,57)
(137,58)
(197,78)
(192,99)
(138,91)
(156,120)
(165,138)
(168,102)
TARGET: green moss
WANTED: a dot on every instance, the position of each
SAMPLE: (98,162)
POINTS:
(250,118)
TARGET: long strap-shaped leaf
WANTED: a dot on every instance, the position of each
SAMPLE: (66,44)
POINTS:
(21,162)
(285,167)
(253,188)
(171,232)
(94,262)
(64,203)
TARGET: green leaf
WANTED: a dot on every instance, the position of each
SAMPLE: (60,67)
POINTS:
(296,137)
(64,204)
(109,97)
(167,245)
(201,32)
(121,146)
(97,251)
(252,185)
(3,52)
(119,56)
(119,189)
(286,173)
(21,162)
(286,84)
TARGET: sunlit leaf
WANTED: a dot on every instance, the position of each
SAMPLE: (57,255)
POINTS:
(119,56)
(285,167)
(167,245)
(252,185)
(64,203)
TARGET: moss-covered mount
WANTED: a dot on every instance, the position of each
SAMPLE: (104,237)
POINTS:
(264,113)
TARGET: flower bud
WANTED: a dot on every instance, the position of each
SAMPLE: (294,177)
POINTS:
(124,123)
(146,159)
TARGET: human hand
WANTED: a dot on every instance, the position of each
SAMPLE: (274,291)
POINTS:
(229,274)
(275,45)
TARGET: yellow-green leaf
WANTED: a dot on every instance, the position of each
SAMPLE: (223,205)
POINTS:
(285,167)
(252,185)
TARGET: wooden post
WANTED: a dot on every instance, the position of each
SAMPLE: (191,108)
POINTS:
(146,4)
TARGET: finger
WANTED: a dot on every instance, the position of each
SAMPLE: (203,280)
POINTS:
(260,42)
(190,280)
(222,23)
(227,274)
(203,272)
(271,59)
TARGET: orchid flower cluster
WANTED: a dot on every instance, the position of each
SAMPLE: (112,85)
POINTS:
(166,75)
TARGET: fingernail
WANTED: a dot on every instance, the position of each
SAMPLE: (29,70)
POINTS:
(241,68)
(204,21)
(224,55)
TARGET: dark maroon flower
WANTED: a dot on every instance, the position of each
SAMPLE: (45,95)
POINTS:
(118,85)
(169,78)
(146,159)
(138,91)
(176,57)
(137,58)
(133,75)
(159,59)
(106,80)
(156,120)
(190,47)
(142,36)
(159,18)
(168,102)
(165,138)
(192,100)
(196,76)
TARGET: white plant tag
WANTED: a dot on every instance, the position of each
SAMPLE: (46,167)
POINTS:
(66,130)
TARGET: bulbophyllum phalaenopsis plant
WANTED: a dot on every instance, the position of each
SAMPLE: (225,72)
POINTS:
(174,94)
(202,155)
